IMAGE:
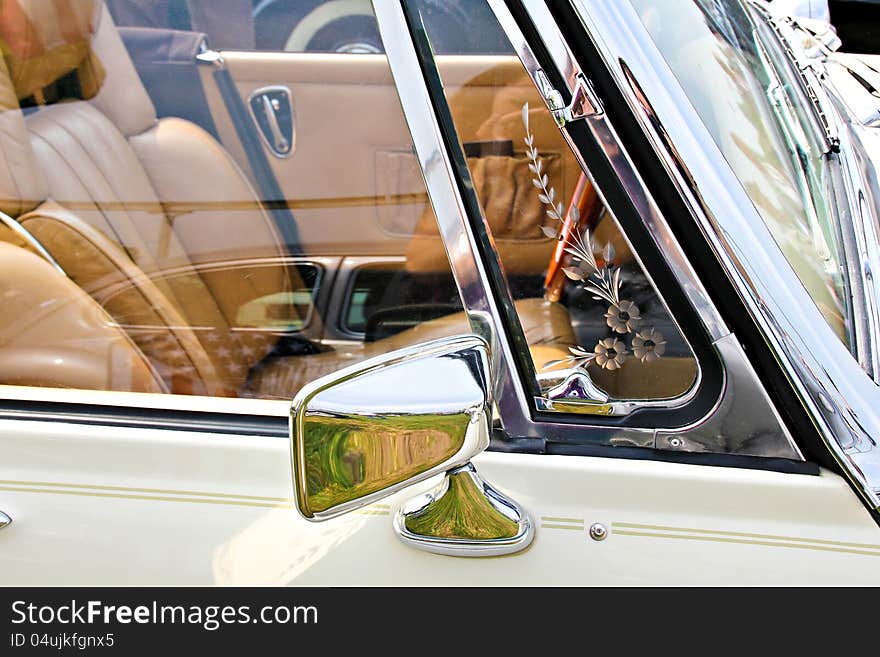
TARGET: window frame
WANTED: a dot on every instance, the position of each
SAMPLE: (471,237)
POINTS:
(484,303)
(521,422)
(652,415)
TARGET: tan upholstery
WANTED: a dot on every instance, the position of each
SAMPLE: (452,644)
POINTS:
(53,334)
(546,325)
(489,108)
(106,272)
(655,380)
(214,209)
(122,98)
(143,210)
(140,212)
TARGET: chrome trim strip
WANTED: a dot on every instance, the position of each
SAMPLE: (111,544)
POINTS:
(839,396)
(98,399)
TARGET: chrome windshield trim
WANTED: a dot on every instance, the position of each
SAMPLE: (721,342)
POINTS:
(859,150)
(784,29)
(841,399)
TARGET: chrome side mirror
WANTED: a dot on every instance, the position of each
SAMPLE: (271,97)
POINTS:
(371,429)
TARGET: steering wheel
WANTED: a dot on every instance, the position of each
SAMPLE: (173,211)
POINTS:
(586,200)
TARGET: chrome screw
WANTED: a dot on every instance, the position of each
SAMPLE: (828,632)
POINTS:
(598,532)
(675,443)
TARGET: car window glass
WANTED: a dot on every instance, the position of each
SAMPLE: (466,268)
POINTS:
(596,328)
(328,26)
(235,236)
(733,73)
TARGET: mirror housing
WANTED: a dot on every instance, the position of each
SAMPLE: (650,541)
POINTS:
(371,429)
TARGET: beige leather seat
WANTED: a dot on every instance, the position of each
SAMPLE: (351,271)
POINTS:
(155,221)
(140,211)
(547,328)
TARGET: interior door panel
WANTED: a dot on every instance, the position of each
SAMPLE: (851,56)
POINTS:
(343,180)
(348,121)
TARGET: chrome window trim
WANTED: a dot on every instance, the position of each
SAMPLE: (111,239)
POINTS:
(440,180)
(141,401)
(714,432)
(843,402)
(648,210)
(474,283)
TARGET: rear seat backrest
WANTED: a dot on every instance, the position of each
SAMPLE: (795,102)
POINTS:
(161,197)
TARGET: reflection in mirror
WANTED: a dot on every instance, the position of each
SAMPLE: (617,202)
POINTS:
(464,516)
(369,430)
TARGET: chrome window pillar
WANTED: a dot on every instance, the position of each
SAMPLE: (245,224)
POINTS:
(508,394)
(439,173)
(840,397)
(722,429)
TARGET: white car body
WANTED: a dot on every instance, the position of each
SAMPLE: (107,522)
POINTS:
(97,496)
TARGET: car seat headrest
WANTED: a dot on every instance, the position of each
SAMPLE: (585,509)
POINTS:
(60,50)
(47,46)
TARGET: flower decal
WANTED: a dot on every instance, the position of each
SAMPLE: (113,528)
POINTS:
(595,270)
(610,353)
(623,317)
(648,345)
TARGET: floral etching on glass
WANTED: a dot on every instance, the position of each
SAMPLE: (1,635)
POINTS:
(596,271)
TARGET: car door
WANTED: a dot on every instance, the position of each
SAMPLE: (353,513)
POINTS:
(118,487)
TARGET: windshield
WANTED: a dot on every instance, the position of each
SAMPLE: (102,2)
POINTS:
(731,66)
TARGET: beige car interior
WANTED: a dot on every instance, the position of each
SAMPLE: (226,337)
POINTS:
(130,242)
(92,181)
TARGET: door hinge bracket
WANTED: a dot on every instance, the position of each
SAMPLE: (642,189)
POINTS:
(584,101)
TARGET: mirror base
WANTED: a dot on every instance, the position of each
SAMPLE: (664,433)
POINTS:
(464,516)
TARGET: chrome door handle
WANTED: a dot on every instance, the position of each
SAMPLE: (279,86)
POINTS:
(4,520)
(272,111)
(280,143)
